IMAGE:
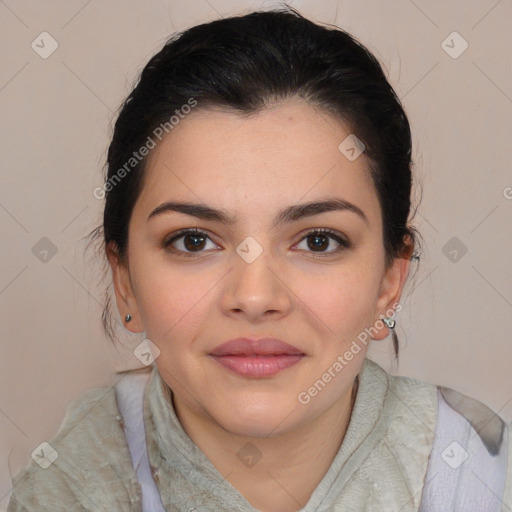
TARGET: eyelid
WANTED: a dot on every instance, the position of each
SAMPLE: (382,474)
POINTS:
(328,231)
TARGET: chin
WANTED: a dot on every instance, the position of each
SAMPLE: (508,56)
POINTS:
(261,429)
(259,420)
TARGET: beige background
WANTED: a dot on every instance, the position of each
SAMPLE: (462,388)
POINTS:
(56,115)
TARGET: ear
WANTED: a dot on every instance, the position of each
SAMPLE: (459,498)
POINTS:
(125,298)
(391,288)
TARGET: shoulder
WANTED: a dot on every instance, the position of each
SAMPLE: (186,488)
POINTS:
(465,445)
(85,466)
(471,413)
(456,413)
(406,397)
(469,457)
(452,407)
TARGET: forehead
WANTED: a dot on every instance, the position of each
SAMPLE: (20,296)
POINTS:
(285,154)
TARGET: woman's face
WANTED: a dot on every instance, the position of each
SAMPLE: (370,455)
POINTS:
(263,275)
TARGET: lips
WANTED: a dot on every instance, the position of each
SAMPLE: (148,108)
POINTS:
(257,358)
(255,347)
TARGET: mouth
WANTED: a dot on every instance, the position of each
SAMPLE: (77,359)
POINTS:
(257,358)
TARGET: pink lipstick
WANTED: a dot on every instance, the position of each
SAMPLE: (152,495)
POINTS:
(253,357)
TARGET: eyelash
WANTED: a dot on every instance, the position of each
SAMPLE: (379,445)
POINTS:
(344,243)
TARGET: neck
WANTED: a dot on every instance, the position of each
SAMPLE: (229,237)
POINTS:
(274,474)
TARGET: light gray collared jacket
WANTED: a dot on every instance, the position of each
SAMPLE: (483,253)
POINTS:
(410,446)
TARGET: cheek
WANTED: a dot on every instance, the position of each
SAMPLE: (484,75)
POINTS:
(172,303)
(342,303)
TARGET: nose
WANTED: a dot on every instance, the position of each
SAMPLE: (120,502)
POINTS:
(256,290)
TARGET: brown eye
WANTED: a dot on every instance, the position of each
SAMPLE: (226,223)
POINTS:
(319,240)
(188,242)
(193,242)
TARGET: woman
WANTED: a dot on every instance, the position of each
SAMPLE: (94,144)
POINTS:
(256,224)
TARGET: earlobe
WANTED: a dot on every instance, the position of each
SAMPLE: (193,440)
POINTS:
(125,298)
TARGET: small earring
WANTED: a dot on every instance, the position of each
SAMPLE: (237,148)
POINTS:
(390,322)
(128,317)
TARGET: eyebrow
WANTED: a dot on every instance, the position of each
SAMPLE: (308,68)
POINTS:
(287,215)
